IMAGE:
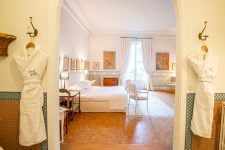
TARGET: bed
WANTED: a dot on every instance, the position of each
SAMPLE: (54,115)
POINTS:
(102,98)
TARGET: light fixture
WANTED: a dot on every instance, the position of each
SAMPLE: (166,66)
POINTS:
(63,77)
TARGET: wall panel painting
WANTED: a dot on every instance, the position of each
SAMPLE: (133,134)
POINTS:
(72,64)
(96,65)
(109,60)
(66,61)
(162,61)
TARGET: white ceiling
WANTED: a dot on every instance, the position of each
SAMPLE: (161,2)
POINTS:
(125,17)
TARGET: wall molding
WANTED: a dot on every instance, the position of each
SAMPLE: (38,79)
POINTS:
(133,35)
(102,72)
(98,76)
(157,34)
(79,16)
(86,28)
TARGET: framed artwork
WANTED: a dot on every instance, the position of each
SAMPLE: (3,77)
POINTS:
(78,64)
(66,62)
(87,65)
(162,61)
(96,65)
(173,66)
(109,60)
(72,64)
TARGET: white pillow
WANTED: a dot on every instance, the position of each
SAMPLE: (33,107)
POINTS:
(92,82)
(75,87)
(84,85)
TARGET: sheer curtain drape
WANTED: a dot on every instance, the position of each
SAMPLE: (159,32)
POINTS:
(125,57)
(147,59)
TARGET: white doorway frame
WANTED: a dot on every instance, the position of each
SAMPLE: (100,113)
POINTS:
(53,71)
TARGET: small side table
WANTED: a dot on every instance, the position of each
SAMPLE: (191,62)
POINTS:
(62,114)
(76,104)
(72,98)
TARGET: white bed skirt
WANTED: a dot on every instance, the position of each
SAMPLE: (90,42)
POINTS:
(98,107)
(103,99)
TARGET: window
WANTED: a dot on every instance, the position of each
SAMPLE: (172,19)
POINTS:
(135,70)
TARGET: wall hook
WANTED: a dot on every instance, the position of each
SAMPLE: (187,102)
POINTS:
(35,32)
(201,36)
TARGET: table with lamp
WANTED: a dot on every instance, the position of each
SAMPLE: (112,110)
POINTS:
(68,104)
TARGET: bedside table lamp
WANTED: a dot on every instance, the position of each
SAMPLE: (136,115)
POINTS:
(63,77)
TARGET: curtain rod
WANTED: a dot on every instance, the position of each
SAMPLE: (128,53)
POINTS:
(136,37)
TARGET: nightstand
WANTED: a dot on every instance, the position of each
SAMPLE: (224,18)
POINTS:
(70,99)
(69,103)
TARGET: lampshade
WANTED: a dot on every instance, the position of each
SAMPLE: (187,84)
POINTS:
(64,75)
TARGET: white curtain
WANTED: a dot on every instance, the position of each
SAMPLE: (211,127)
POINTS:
(125,57)
(146,45)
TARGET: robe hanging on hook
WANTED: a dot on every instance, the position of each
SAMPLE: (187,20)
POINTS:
(35,32)
(201,36)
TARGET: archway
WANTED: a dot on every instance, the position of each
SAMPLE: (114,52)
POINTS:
(52,78)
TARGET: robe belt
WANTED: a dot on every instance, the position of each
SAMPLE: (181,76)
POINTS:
(32,81)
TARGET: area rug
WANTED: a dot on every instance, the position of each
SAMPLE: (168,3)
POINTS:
(156,108)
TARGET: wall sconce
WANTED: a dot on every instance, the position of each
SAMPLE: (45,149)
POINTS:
(63,77)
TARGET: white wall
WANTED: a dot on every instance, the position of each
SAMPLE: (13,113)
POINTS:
(191,15)
(195,13)
(14,18)
(101,43)
(98,44)
(164,45)
(74,43)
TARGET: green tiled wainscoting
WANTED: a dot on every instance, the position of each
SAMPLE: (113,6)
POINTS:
(189,112)
(16,96)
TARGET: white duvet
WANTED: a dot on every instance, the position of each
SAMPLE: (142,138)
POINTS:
(115,95)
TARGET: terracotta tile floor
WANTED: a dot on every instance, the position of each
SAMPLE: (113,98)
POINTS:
(116,131)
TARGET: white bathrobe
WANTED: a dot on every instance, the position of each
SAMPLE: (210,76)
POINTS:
(205,69)
(32,67)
